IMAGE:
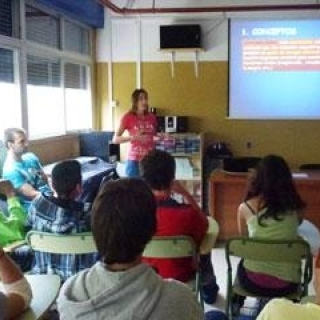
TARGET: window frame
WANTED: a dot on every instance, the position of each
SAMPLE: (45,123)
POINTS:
(23,47)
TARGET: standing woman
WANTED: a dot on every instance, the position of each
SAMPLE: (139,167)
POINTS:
(272,210)
(141,126)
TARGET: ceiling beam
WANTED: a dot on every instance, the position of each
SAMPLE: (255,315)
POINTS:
(154,10)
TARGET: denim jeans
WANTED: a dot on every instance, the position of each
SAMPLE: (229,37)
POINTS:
(132,169)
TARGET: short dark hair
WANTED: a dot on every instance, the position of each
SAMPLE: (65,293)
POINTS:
(66,175)
(123,219)
(158,169)
(9,134)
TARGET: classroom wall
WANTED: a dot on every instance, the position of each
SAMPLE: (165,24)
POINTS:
(128,56)
(54,149)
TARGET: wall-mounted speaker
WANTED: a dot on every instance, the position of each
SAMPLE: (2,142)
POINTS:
(180,36)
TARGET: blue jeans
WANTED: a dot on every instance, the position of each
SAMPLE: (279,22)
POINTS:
(132,169)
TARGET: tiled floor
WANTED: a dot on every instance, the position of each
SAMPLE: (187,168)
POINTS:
(220,267)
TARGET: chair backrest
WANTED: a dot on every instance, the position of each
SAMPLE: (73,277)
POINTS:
(174,247)
(290,251)
(209,240)
(294,251)
(80,243)
(170,247)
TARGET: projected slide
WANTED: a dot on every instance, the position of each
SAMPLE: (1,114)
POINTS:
(274,69)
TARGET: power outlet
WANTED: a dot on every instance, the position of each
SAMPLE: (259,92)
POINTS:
(249,144)
(114,103)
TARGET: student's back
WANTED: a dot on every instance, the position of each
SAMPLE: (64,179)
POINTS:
(139,293)
(121,286)
(61,214)
(271,210)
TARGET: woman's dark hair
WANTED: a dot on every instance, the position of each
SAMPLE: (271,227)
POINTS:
(158,169)
(135,98)
(123,219)
(272,182)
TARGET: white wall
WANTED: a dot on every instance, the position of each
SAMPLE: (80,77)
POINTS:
(135,39)
(140,37)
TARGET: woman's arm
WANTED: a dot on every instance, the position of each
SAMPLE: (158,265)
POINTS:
(242,220)
(118,138)
(16,287)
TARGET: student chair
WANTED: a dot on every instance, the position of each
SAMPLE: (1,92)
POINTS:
(286,251)
(80,243)
(173,247)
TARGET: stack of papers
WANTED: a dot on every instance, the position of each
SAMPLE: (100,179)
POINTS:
(299,175)
(184,169)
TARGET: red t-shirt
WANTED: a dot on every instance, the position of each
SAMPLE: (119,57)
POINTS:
(175,219)
(134,124)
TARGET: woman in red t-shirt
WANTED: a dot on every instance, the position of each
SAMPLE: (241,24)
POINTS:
(141,126)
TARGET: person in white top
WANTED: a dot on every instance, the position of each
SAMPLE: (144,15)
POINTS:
(282,309)
(16,294)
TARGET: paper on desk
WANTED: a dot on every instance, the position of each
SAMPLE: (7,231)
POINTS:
(184,169)
(300,175)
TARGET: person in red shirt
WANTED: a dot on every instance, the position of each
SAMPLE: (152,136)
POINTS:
(141,126)
(158,170)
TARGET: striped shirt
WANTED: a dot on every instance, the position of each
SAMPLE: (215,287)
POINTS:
(53,215)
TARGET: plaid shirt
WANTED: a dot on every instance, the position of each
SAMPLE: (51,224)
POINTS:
(53,215)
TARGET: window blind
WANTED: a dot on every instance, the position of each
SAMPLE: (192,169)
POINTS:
(75,76)
(43,72)
(6,18)
(76,38)
(6,65)
(42,27)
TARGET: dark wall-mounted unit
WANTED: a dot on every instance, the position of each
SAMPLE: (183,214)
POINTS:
(180,36)
(99,144)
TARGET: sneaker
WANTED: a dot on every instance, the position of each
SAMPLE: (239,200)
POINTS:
(210,291)
(237,303)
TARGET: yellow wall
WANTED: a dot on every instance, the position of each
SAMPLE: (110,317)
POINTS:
(205,100)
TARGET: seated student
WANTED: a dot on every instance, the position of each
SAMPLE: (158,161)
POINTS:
(282,309)
(60,213)
(23,168)
(16,295)
(12,227)
(272,210)
(121,286)
(158,170)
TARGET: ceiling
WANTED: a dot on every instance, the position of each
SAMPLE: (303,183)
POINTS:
(135,7)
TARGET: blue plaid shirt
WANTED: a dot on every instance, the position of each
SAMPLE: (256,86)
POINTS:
(50,214)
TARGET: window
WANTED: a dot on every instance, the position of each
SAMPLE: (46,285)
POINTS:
(76,38)
(44,83)
(9,18)
(42,27)
(77,97)
(9,90)
(45,97)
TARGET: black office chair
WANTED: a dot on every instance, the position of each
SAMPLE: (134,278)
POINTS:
(310,166)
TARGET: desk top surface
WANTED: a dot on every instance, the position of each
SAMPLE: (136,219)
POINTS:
(299,176)
(45,289)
